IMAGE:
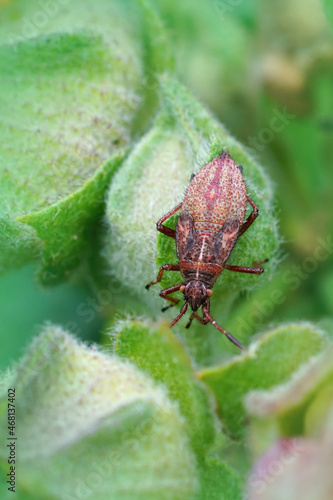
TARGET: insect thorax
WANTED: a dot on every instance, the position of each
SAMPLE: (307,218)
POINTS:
(200,271)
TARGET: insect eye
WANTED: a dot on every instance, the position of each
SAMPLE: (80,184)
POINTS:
(209,292)
(182,289)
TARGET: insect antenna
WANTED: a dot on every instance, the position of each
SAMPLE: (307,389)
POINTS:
(222,330)
(182,312)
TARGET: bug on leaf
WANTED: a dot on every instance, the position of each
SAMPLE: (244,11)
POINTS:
(211,220)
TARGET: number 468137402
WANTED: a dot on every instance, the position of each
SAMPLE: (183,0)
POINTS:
(208,227)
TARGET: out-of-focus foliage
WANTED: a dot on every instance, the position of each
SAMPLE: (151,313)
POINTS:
(269,361)
(301,407)
(98,423)
(172,367)
(106,109)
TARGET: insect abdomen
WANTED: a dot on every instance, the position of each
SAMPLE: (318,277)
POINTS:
(216,194)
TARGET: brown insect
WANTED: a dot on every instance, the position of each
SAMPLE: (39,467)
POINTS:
(211,220)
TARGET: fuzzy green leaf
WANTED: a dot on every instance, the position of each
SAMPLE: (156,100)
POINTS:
(157,58)
(69,101)
(158,353)
(64,226)
(94,423)
(21,21)
(151,179)
(298,407)
(62,117)
(219,482)
(269,362)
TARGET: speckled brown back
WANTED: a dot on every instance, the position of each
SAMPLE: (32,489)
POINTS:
(216,194)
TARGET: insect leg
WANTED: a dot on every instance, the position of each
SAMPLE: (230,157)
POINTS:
(251,218)
(182,312)
(242,269)
(205,310)
(167,230)
(164,294)
(166,267)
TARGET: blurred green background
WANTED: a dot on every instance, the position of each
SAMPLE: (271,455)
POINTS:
(266,71)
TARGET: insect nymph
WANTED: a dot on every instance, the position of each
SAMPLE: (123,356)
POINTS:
(211,220)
